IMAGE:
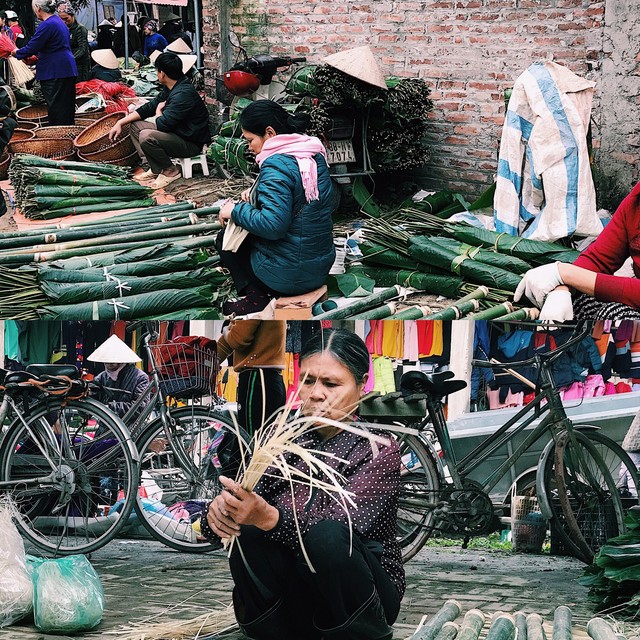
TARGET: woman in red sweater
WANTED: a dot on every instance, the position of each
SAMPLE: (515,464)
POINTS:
(607,296)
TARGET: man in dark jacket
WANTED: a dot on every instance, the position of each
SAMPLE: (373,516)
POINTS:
(121,383)
(181,127)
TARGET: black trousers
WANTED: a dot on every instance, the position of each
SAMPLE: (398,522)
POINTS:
(277,597)
(261,392)
(239,265)
(60,96)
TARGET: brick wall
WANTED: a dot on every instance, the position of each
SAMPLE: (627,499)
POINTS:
(470,51)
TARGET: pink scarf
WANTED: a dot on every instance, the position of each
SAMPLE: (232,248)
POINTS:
(302,148)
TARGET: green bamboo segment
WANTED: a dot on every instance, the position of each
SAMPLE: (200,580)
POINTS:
(472,625)
(361,304)
(59,191)
(600,629)
(521,314)
(493,312)
(449,611)
(412,313)
(455,311)
(520,618)
(449,631)
(562,624)
(90,208)
(379,313)
(88,167)
(502,628)
(535,630)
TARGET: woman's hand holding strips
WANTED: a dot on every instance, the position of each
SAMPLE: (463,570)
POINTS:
(235,506)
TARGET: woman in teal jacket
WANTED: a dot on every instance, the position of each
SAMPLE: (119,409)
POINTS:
(287,212)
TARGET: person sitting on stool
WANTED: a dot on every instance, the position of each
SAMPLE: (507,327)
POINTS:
(181,126)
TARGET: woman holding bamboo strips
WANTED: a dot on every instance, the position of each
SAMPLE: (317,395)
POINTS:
(303,567)
(287,213)
(606,295)
(56,67)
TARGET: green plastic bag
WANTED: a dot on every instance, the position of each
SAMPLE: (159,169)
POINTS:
(68,595)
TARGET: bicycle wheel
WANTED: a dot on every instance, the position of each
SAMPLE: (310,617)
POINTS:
(181,474)
(84,462)
(583,494)
(419,491)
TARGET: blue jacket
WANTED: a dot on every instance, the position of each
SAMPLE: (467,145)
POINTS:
(52,44)
(154,42)
(292,239)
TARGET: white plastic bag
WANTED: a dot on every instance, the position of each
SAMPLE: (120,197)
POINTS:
(68,595)
(16,588)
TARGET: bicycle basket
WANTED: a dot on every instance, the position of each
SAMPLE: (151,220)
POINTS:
(185,370)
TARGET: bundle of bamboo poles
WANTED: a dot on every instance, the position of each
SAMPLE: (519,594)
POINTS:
(47,189)
(123,268)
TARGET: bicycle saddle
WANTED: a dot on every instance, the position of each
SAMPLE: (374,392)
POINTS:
(68,370)
(435,384)
(17,377)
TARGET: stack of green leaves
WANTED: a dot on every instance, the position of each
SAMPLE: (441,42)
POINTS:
(233,154)
(614,577)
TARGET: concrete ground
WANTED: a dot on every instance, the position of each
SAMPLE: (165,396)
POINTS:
(143,580)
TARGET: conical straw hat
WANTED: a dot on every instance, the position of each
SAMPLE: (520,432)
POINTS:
(179,46)
(105,58)
(114,350)
(153,56)
(188,62)
(359,63)
(171,17)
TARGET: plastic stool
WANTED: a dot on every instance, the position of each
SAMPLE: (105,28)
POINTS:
(186,165)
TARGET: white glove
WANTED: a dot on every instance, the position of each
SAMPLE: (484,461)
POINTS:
(558,307)
(538,282)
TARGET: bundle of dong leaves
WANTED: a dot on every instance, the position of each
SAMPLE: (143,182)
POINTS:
(47,189)
(143,264)
(614,577)
(397,117)
(417,245)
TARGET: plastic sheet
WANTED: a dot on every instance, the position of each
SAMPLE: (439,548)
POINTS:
(16,589)
(68,595)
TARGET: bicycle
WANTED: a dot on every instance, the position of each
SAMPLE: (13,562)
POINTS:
(576,478)
(183,450)
(64,459)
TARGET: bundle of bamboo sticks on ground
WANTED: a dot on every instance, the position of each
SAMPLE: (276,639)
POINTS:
(47,189)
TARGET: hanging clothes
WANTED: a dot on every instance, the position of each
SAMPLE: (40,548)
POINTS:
(410,349)
(392,338)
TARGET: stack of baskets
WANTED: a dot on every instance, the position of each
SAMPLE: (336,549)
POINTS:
(36,115)
(94,145)
(55,148)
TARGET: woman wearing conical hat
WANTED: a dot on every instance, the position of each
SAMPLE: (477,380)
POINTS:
(106,66)
(121,383)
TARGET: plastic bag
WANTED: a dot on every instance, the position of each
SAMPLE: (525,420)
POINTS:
(16,588)
(68,595)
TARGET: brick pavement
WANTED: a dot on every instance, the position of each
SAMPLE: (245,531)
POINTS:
(142,579)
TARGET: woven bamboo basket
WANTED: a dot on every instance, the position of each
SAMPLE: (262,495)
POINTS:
(111,150)
(128,161)
(83,122)
(28,124)
(91,115)
(66,131)
(37,113)
(96,135)
(22,134)
(59,149)
(5,160)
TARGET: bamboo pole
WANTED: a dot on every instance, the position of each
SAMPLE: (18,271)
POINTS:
(600,629)
(361,304)
(379,313)
(455,312)
(493,312)
(521,625)
(502,627)
(449,611)
(448,632)
(412,313)
(562,624)
(471,625)
(521,314)
(535,630)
